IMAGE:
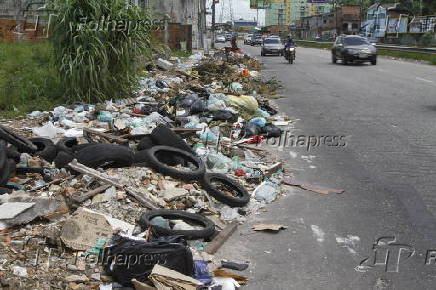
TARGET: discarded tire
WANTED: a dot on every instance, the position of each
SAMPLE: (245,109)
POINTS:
(46,148)
(62,159)
(4,167)
(105,155)
(242,197)
(145,143)
(66,144)
(153,161)
(196,219)
(4,190)
(21,143)
(13,154)
(162,135)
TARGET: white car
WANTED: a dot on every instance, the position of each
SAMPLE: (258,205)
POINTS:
(247,38)
(220,38)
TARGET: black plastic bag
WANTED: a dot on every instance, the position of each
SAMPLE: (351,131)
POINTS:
(271,131)
(250,129)
(224,115)
(187,101)
(199,106)
(129,259)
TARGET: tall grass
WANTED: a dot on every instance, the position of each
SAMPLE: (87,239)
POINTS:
(98,64)
(28,78)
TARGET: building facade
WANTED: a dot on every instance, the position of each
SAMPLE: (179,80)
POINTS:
(275,14)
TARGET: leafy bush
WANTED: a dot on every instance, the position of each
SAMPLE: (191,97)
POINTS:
(98,64)
(28,78)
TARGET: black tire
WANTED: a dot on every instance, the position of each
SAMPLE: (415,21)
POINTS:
(4,167)
(154,162)
(206,232)
(25,170)
(21,143)
(344,60)
(4,190)
(46,148)
(334,59)
(62,159)
(374,61)
(13,154)
(105,155)
(162,135)
(240,200)
(66,144)
(145,143)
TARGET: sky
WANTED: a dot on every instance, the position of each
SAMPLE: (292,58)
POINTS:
(241,9)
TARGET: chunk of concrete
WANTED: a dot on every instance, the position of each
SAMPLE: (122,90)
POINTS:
(10,210)
(164,64)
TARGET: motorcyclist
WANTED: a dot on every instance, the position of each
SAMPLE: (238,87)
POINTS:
(290,42)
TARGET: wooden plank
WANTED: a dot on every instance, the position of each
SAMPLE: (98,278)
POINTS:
(140,197)
(221,238)
(91,193)
(109,137)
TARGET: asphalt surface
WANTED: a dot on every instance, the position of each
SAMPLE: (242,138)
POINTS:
(387,167)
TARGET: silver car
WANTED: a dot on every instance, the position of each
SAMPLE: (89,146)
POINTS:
(272,45)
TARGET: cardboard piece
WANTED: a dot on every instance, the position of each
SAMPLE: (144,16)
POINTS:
(226,274)
(269,227)
(82,231)
(141,285)
(166,279)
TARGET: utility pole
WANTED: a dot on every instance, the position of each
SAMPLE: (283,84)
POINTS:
(213,24)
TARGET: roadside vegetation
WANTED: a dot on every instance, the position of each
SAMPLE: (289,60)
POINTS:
(97,65)
(28,78)
(399,54)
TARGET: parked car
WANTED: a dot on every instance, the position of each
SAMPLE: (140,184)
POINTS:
(353,48)
(220,38)
(256,39)
(272,45)
(247,38)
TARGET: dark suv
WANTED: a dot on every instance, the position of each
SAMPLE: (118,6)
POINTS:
(353,48)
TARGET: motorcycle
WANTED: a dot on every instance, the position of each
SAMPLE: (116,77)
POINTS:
(290,54)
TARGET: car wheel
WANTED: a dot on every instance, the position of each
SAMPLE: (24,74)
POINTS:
(374,61)
(344,60)
(334,59)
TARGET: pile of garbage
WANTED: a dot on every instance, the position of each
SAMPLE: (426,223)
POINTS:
(139,192)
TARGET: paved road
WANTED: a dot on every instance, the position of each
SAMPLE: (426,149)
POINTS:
(388,115)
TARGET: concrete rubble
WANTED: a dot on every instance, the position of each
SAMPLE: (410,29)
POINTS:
(61,204)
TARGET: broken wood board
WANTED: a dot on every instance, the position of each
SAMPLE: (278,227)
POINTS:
(269,227)
(106,136)
(221,238)
(312,187)
(145,201)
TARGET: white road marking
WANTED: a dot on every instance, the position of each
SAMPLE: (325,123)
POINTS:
(348,242)
(318,233)
(424,80)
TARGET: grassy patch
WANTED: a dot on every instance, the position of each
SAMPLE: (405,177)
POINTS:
(409,55)
(314,45)
(28,78)
(399,54)
(181,53)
